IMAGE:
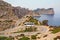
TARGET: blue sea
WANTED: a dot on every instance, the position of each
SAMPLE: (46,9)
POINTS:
(53,20)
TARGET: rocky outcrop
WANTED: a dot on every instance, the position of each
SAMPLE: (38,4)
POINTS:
(45,11)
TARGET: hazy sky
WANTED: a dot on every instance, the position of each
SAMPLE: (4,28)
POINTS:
(33,4)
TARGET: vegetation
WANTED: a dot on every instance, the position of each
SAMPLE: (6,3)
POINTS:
(35,21)
(33,36)
(22,35)
(8,20)
(30,29)
(18,32)
(5,38)
(56,29)
(1,16)
(24,38)
(58,37)
(6,24)
(45,22)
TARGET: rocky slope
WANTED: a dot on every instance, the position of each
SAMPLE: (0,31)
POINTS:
(20,12)
(9,15)
(6,11)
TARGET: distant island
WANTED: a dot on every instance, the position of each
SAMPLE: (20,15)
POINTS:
(44,11)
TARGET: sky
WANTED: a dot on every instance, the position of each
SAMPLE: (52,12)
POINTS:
(34,4)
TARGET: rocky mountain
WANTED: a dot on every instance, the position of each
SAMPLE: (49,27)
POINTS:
(20,12)
(44,11)
(9,14)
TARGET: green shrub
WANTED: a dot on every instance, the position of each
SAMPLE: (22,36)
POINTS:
(30,29)
(33,36)
(55,30)
(24,38)
(45,22)
(5,38)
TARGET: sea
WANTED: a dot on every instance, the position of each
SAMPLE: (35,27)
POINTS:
(53,20)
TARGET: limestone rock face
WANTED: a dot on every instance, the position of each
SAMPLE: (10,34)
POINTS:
(0,0)
(7,16)
(20,12)
(45,11)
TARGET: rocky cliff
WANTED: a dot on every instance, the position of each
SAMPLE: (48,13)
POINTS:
(45,11)
(20,12)
(7,16)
